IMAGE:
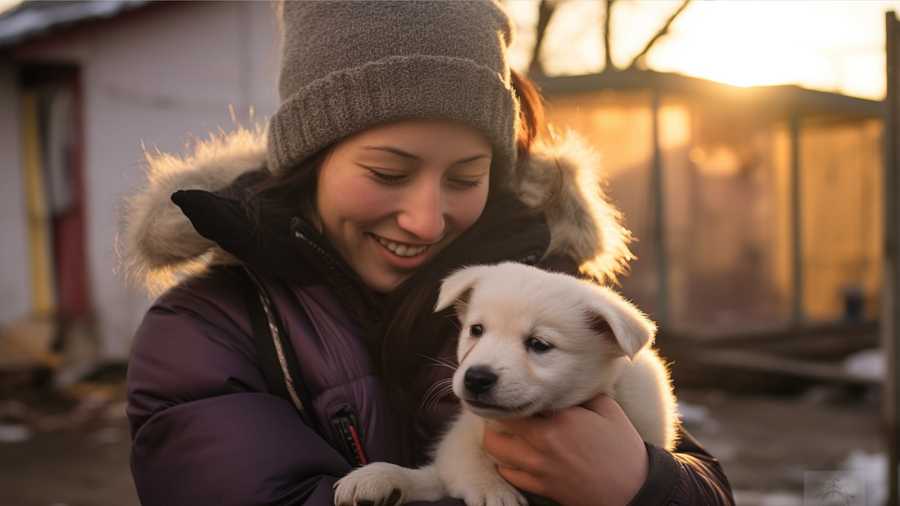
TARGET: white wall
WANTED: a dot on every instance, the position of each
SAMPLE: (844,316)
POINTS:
(15,294)
(156,76)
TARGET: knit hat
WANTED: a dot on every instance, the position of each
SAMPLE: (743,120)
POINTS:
(348,66)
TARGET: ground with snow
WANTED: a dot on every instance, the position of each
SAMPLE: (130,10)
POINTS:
(767,446)
(770,445)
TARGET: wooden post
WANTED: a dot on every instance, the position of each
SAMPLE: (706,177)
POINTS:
(798,313)
(890,333)
(657,185)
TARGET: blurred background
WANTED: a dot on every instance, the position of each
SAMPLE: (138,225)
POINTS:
(744,141)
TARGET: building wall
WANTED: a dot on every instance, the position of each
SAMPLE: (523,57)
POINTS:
(728,213)
(155,77)
(15,293)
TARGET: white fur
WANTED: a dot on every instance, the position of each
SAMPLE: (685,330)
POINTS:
(512,303)
(157,243)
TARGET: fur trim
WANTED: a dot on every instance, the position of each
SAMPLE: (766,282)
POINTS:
(158,244)
(562,178)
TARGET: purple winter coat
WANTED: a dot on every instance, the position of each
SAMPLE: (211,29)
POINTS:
(205,430)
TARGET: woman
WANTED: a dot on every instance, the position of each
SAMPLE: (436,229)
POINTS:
(403,149)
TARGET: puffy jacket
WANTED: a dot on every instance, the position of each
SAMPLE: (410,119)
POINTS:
(206,429)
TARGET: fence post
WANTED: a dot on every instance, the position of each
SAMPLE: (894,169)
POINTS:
(890,332)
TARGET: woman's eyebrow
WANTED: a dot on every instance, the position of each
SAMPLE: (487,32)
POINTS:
(404,154)
(398,152)
(470,159)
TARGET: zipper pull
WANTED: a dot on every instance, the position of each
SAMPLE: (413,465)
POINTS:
(346,425)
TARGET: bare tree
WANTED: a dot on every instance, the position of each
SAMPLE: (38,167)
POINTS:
(640,59)
(546,9)
(607,36)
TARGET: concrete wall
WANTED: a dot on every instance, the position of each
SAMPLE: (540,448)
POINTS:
(156,76)
(15,294)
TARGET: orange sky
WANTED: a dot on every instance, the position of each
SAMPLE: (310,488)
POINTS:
(835,45)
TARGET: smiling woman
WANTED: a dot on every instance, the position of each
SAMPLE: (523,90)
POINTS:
(417,185)
(404,149)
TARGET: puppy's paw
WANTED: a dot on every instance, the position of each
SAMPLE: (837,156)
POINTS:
(492,493)
(378,483)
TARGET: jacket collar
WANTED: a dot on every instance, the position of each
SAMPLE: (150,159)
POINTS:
(158,244)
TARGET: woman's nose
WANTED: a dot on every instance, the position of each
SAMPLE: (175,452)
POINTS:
(423,213)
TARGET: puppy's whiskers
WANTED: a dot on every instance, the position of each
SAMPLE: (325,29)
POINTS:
(440,362)
(435,393)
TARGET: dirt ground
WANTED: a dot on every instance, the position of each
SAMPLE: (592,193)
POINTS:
(766,444)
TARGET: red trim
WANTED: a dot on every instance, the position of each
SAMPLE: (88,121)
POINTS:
(360,453)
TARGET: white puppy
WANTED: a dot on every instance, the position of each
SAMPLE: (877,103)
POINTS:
(531,342)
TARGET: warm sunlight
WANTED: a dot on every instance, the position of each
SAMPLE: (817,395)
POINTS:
(831,45)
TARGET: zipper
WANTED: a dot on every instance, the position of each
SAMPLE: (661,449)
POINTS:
(344,276)
(345,423)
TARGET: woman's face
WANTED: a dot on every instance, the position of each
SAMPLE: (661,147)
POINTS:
(391,197)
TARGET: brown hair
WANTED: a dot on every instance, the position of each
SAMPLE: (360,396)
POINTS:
(531,113)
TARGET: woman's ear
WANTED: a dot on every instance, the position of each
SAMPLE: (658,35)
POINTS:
(457,288)
(610,312)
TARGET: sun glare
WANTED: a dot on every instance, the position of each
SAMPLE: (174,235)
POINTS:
(834,45)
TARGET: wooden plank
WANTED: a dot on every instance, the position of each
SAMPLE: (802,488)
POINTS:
(762,362)
(43,296)
(822,341)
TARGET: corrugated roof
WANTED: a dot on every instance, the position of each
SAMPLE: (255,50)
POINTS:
(36,17)
(781,99)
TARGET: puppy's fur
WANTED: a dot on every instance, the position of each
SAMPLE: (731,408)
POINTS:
(531,342)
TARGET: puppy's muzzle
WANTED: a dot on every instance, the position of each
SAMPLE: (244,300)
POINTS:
(479,379)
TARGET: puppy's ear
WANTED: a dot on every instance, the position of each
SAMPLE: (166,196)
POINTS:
(609,312)
(457,287)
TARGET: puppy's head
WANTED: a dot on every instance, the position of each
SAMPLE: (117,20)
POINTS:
(532,340)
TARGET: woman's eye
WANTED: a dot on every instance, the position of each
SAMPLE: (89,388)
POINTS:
(476,330)
(465,183)
(386,177)
(538,345)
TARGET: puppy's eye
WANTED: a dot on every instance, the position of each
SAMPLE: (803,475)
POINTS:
(476,330)
(538,345)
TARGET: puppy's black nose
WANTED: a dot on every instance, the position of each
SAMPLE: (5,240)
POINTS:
(479,379)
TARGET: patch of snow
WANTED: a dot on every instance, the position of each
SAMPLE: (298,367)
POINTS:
(692,414)
(873,468)
(14,433)
(774,498)
(866,364)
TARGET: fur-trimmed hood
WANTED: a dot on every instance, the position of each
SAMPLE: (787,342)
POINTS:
(158,244)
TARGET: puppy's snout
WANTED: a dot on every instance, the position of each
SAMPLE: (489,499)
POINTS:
(479,379)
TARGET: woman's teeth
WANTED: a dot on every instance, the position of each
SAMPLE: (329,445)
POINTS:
(401,250)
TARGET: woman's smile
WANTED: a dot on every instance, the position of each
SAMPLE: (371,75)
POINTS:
(401,256)
(402,249)
(391,197)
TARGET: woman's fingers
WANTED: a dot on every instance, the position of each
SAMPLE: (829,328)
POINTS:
(511,451)
(522,480)
(605,406)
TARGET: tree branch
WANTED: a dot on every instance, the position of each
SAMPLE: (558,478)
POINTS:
(545,11)
(607,36)
(639,59)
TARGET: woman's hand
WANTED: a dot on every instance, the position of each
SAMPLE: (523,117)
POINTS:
(587,455)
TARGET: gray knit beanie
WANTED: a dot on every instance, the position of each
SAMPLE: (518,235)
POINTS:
(348,66)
